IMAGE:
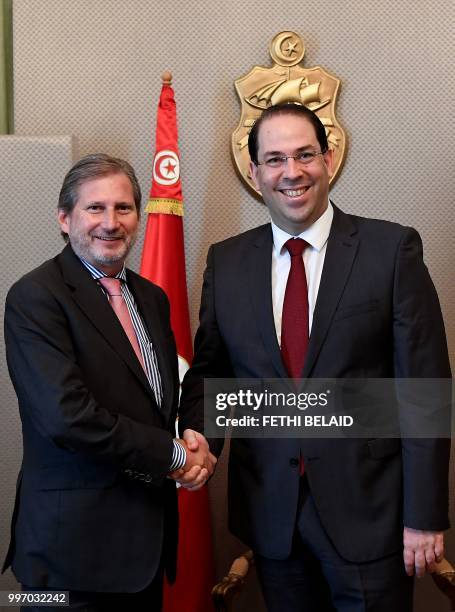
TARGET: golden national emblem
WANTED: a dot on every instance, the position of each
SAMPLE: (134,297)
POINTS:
(287,81)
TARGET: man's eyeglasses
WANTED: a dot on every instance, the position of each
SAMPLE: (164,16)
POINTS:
(279,161)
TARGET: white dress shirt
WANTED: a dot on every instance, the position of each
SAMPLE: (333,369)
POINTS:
(313,257)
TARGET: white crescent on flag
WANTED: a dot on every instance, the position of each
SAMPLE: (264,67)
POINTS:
(166,167)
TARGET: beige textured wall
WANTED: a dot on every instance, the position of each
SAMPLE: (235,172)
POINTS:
(92,68)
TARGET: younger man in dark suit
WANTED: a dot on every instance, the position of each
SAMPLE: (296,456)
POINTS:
(322,294)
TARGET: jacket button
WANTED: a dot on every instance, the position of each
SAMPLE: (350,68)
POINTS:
(294,462)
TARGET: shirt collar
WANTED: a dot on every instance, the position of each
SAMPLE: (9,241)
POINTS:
(316,235)
(97,274)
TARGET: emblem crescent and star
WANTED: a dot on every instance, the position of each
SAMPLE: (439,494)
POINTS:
(288,54)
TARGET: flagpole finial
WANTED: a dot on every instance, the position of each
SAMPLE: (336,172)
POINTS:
(166,77)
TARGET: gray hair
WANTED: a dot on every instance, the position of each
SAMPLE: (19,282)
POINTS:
(91,167)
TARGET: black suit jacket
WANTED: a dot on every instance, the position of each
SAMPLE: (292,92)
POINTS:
(377,316)
(93,507)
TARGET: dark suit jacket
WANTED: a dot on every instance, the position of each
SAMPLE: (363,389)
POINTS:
(377,316)
(93,508)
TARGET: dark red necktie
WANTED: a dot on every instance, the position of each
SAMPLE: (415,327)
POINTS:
(294,320)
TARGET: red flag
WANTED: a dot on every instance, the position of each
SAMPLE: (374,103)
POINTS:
(163,262)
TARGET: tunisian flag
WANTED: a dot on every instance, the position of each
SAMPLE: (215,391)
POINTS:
(163,262)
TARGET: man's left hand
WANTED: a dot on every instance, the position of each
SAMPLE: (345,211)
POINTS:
(194,439)
(421,550)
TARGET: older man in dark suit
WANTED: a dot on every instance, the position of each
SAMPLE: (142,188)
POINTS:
(93,361)
(322,294)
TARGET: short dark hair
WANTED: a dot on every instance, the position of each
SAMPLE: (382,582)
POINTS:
(91,167)
(286,108)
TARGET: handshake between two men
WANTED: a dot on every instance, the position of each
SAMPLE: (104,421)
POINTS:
(199,464)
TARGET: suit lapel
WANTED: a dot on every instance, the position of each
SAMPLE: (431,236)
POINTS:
(90,299)
(153,321)
(342,248)
(260,283)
